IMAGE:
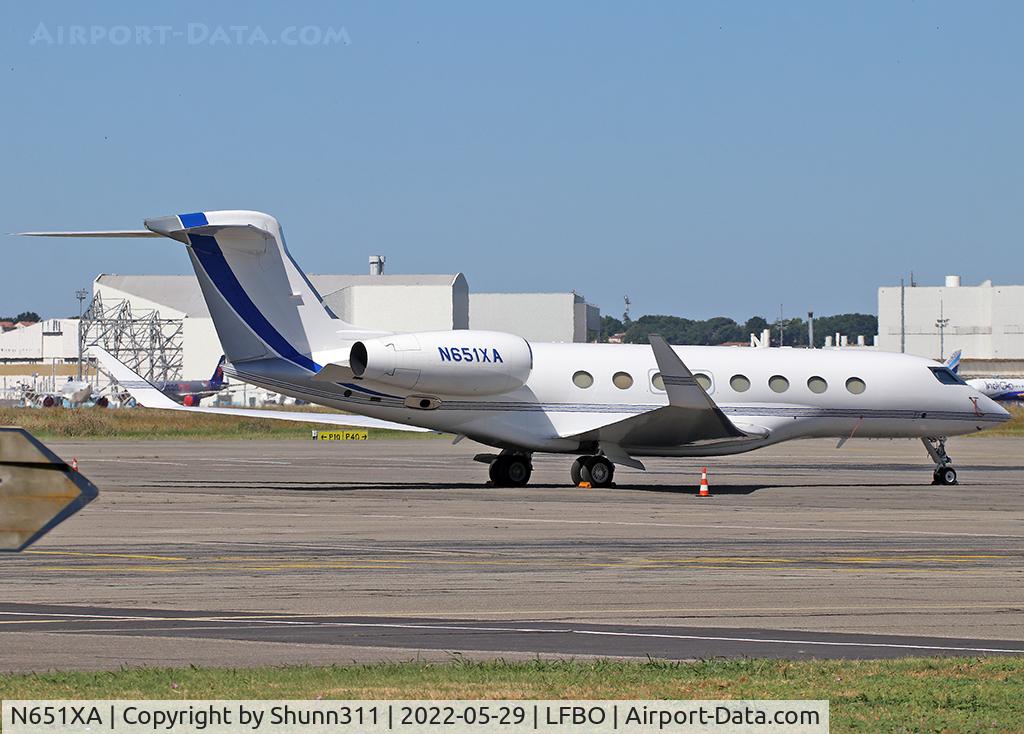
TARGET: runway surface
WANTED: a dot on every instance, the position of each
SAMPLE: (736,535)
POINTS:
(676,643)
(240,553)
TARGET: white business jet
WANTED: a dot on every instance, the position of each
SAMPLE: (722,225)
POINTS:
(607,404)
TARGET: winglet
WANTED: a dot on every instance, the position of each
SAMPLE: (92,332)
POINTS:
(679,381)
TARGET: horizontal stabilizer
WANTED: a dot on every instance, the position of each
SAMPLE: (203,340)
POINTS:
(93,233)
(146,395)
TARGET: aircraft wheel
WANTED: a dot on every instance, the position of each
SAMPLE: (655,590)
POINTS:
(598,471)
(510,471)
(576,470)
(518,470)
(945,475)
(496,472)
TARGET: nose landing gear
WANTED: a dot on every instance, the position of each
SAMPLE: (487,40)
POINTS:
(944,472)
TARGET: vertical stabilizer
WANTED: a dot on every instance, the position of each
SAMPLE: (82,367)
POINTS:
(262,304)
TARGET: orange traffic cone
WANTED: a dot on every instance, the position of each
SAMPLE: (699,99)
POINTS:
(705,491)
(74,464)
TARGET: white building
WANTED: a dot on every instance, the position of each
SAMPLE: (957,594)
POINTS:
(540,317)
(985,321)
(41,355)
(45,341)
(397,302)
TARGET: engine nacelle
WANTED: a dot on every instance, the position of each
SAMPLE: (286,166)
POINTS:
(445,362)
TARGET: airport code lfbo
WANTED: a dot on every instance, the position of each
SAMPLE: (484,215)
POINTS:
(417,716)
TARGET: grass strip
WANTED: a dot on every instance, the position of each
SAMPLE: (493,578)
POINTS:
(902,695)
(144,423)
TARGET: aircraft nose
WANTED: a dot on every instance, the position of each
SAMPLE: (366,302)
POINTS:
(992,409)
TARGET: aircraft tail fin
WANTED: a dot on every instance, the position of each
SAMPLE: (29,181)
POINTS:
(953,363)
(217,380)
(263,306)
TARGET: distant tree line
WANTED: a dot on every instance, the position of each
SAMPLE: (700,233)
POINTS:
(721,329)
(23,316)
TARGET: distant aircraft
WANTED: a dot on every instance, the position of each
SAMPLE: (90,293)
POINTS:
(999,388)
(190,392)
(72,394)
(608,404)
(1002,389)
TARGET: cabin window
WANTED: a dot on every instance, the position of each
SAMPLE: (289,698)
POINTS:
(739,383)
(658,381)
(856,385)
(703,380)
(778,383)
(622,380)
(582,379)
(947,376)
(817,384)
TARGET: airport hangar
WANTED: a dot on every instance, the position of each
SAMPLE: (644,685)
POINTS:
(986,321)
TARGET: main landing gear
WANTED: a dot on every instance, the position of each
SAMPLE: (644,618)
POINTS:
(510,470)
(596,470)
(944,472)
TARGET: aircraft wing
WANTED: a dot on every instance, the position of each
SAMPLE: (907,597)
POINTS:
(148,396)
(690,417)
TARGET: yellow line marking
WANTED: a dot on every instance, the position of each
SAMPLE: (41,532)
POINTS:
(105,555)
(114,569)
(226,564)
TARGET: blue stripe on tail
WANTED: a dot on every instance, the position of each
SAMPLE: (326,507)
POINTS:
(216,266)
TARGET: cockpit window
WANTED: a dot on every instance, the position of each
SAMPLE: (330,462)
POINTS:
(946,376)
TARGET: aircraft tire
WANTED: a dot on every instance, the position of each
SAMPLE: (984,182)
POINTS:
(517,471)
(598,471)
(576,470)
(496,472)
(510,471)
(945,475)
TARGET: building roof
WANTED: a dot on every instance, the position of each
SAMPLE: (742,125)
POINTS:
(332,283)
(182,292)
(179,292)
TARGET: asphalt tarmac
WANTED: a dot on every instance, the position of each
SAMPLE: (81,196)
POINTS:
(247,553)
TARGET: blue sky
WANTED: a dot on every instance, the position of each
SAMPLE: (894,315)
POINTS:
(705,158)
